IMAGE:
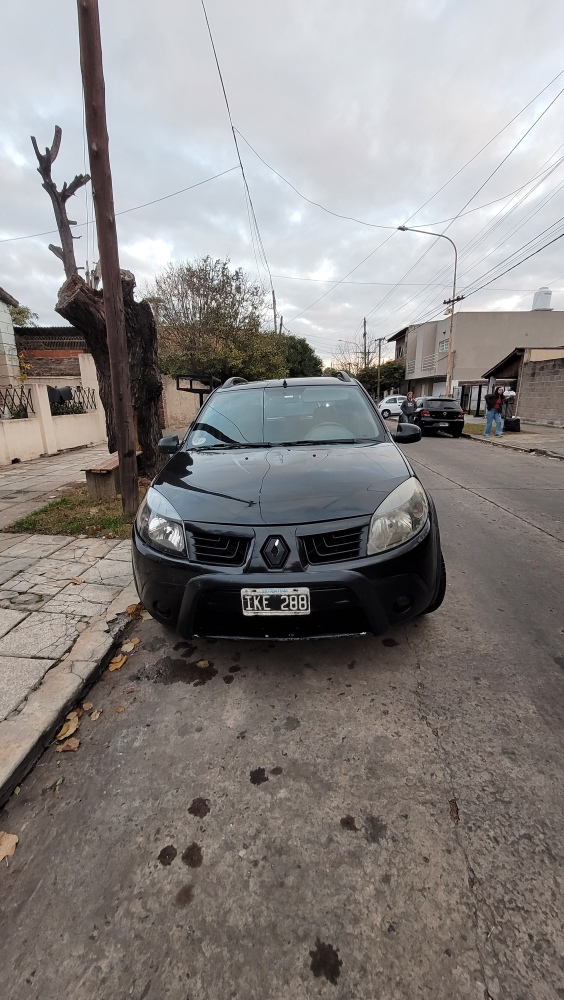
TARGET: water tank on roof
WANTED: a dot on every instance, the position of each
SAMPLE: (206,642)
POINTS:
(541,299)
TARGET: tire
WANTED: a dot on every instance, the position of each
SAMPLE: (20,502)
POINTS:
(436,603)
(386,414)
(457,433)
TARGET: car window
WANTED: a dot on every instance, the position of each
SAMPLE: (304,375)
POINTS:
(390,399)
(446,404)
(284,415)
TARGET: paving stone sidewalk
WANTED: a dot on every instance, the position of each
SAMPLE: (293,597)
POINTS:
(58,598)
(28,485)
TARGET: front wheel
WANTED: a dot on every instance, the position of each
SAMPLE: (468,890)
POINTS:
(440,593)
(386,414)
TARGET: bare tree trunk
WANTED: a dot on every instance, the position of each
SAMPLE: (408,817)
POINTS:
(83,306)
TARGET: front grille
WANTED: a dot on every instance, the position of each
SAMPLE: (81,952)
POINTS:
(333,546)
(219,550)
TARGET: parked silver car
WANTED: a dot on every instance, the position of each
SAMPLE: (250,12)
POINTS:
(390,406)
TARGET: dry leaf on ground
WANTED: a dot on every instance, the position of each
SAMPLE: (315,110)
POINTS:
(8,843)
(70,726)
(128,647)
(202,664)
(135,641)
(95,715)
(72,744)
(76,713)
(120,708)
(87,705)
(134,610)
(117,662)
(76,580)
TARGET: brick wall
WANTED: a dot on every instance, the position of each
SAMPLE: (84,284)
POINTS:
(56,368)
(541,395)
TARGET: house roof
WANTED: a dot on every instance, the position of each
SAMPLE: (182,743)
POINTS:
(7,299)
(400,333)
(517,352)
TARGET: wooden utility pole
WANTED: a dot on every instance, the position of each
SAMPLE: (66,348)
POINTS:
(281,324)
(98,150)
(364,345)
(380,340)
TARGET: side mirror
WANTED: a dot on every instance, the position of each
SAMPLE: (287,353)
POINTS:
(407,434)
(169,444)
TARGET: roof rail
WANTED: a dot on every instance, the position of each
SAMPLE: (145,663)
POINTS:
(234,380)
(344,376)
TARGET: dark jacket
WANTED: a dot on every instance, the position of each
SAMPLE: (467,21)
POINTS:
(408,407)
(491,398)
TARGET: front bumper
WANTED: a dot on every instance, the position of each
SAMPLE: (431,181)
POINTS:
(347,598)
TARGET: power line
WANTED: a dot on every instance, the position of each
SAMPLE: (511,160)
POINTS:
(247,190)
(125,211)
(437,192)
(374,225)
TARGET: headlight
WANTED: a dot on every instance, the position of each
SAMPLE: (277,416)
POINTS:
(160,524)
(401,516)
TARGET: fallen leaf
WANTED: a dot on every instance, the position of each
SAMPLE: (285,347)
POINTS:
(8,843)
(76,580)
(135,641)
(134,610)
(117,662)
(17,790)
(95,715)
(202,664)
(72,744)
(75,714)
(87,705)
(120,708)
(68,729)
(128,647)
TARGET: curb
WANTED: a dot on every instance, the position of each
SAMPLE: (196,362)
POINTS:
(28,731)
(525,451)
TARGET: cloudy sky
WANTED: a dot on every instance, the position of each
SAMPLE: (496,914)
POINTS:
(367,107)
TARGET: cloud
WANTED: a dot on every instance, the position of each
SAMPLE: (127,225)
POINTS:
(367,108)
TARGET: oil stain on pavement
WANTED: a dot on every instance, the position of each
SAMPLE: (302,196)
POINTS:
(325,961)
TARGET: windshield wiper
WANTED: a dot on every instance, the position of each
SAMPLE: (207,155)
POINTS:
(313,444)
(232,444)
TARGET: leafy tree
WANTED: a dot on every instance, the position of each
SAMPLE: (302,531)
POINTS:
(23,316)
(392,374)
(209,319)
(301,359)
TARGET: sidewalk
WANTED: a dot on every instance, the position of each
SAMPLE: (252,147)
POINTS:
(28,485)
(61,599)
(532,438)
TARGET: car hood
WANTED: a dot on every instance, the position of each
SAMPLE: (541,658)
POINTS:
(296,485)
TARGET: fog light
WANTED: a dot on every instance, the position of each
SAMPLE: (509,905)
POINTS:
(402,604)
(162,609)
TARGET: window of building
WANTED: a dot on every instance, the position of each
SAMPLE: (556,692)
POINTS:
(443,346)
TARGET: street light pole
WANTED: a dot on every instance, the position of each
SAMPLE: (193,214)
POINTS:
(451,302)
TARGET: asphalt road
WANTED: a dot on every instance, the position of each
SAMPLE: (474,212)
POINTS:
(359,818)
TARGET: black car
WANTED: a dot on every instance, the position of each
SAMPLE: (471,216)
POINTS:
(439,413)
(287,511)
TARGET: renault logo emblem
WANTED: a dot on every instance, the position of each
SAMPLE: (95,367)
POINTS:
(275,552)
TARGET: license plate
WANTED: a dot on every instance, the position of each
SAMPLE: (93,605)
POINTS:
(275,600)
(443,425)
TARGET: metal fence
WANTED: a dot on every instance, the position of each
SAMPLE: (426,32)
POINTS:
(82,401)
(15,402)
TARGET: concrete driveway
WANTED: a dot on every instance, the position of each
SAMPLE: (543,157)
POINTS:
(366,818)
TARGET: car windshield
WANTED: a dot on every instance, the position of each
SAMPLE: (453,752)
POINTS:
(242,418)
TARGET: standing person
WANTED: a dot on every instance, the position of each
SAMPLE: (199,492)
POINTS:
(494,404)
(408,408)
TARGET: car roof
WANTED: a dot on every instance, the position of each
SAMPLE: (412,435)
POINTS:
(283,383)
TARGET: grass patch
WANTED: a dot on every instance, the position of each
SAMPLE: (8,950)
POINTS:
(470,428)
(75,513)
